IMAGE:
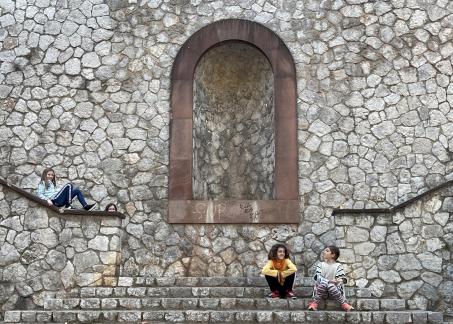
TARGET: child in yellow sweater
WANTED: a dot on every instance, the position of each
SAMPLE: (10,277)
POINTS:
(280,272)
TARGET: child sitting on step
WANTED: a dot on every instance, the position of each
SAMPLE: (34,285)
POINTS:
(60,197)
(330,278)
(280,272)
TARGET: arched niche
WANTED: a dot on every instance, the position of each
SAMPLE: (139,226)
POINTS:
(284,207)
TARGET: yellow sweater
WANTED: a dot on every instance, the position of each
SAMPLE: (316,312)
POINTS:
(288,269)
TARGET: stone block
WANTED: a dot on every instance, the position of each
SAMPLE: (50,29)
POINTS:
(136,291)
(264,317)
(316,317)
(129,316)
(90,303)
(88,316)
(44,316)
(378,317)
(154,316)
(297,317)
(228,303)
(398,317)
(367,304)
(110,316)
(420,317)
(393,304)
(65,316)
(245,316)
(435,317)
(125,281)
(182,291)
(220,316)
(151,303)
(336,317)
(28,316)
(119,292)
(108,303)
(104,291)
(165,281)
(353,317)
(282,317)
(363,293)
(197,316)
(130,303)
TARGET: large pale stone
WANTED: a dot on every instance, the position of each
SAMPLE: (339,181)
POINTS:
(356,234)
(67,275)
(430,262)
(99,243)
(8,254)
(85,261)
(36,218)
(407,289)
(46,236)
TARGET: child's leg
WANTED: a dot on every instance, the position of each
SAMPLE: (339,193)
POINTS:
(63,197)
(336,294)
(321,291)
(272,282)
(77,193)
(289,282)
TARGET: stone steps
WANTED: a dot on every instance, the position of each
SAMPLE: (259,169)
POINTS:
(200,281)
(221,316)
(215,304)
(249,292)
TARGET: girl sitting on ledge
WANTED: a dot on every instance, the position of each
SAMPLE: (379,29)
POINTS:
(60,197)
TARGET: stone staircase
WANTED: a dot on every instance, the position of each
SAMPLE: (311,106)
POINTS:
(214,299)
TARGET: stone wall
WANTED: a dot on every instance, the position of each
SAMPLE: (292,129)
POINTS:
(405,254)
(233,144)
(85,88)
(43,252)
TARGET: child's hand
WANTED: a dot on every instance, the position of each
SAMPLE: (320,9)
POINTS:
(49,202)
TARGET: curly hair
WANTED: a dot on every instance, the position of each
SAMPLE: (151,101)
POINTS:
(273,252)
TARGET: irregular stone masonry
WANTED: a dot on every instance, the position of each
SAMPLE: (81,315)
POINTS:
(233,138)
(219,316)
(43,252)
(85,88)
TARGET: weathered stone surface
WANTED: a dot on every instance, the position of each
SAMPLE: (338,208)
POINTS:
(87,88)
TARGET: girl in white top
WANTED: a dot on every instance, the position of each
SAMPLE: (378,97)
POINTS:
(330,277)
(60,197)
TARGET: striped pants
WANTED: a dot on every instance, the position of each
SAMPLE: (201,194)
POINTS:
(325,290)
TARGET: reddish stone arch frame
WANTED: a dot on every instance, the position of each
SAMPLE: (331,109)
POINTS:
(284,208)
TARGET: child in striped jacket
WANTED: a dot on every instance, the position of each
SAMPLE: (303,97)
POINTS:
(330,278)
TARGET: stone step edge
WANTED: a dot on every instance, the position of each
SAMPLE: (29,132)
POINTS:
(412,316)
(92,291)
(123,281)
(207,303)
(190,292)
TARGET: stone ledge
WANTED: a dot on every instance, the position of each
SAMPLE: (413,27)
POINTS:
(233,212)
(78,212)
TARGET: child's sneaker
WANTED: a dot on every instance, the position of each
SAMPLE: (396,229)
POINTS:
(275,294)
(313,305)
(291,294)
(90,207)
(346,307)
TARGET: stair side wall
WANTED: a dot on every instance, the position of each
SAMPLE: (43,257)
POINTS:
(42,252)
(407,254)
